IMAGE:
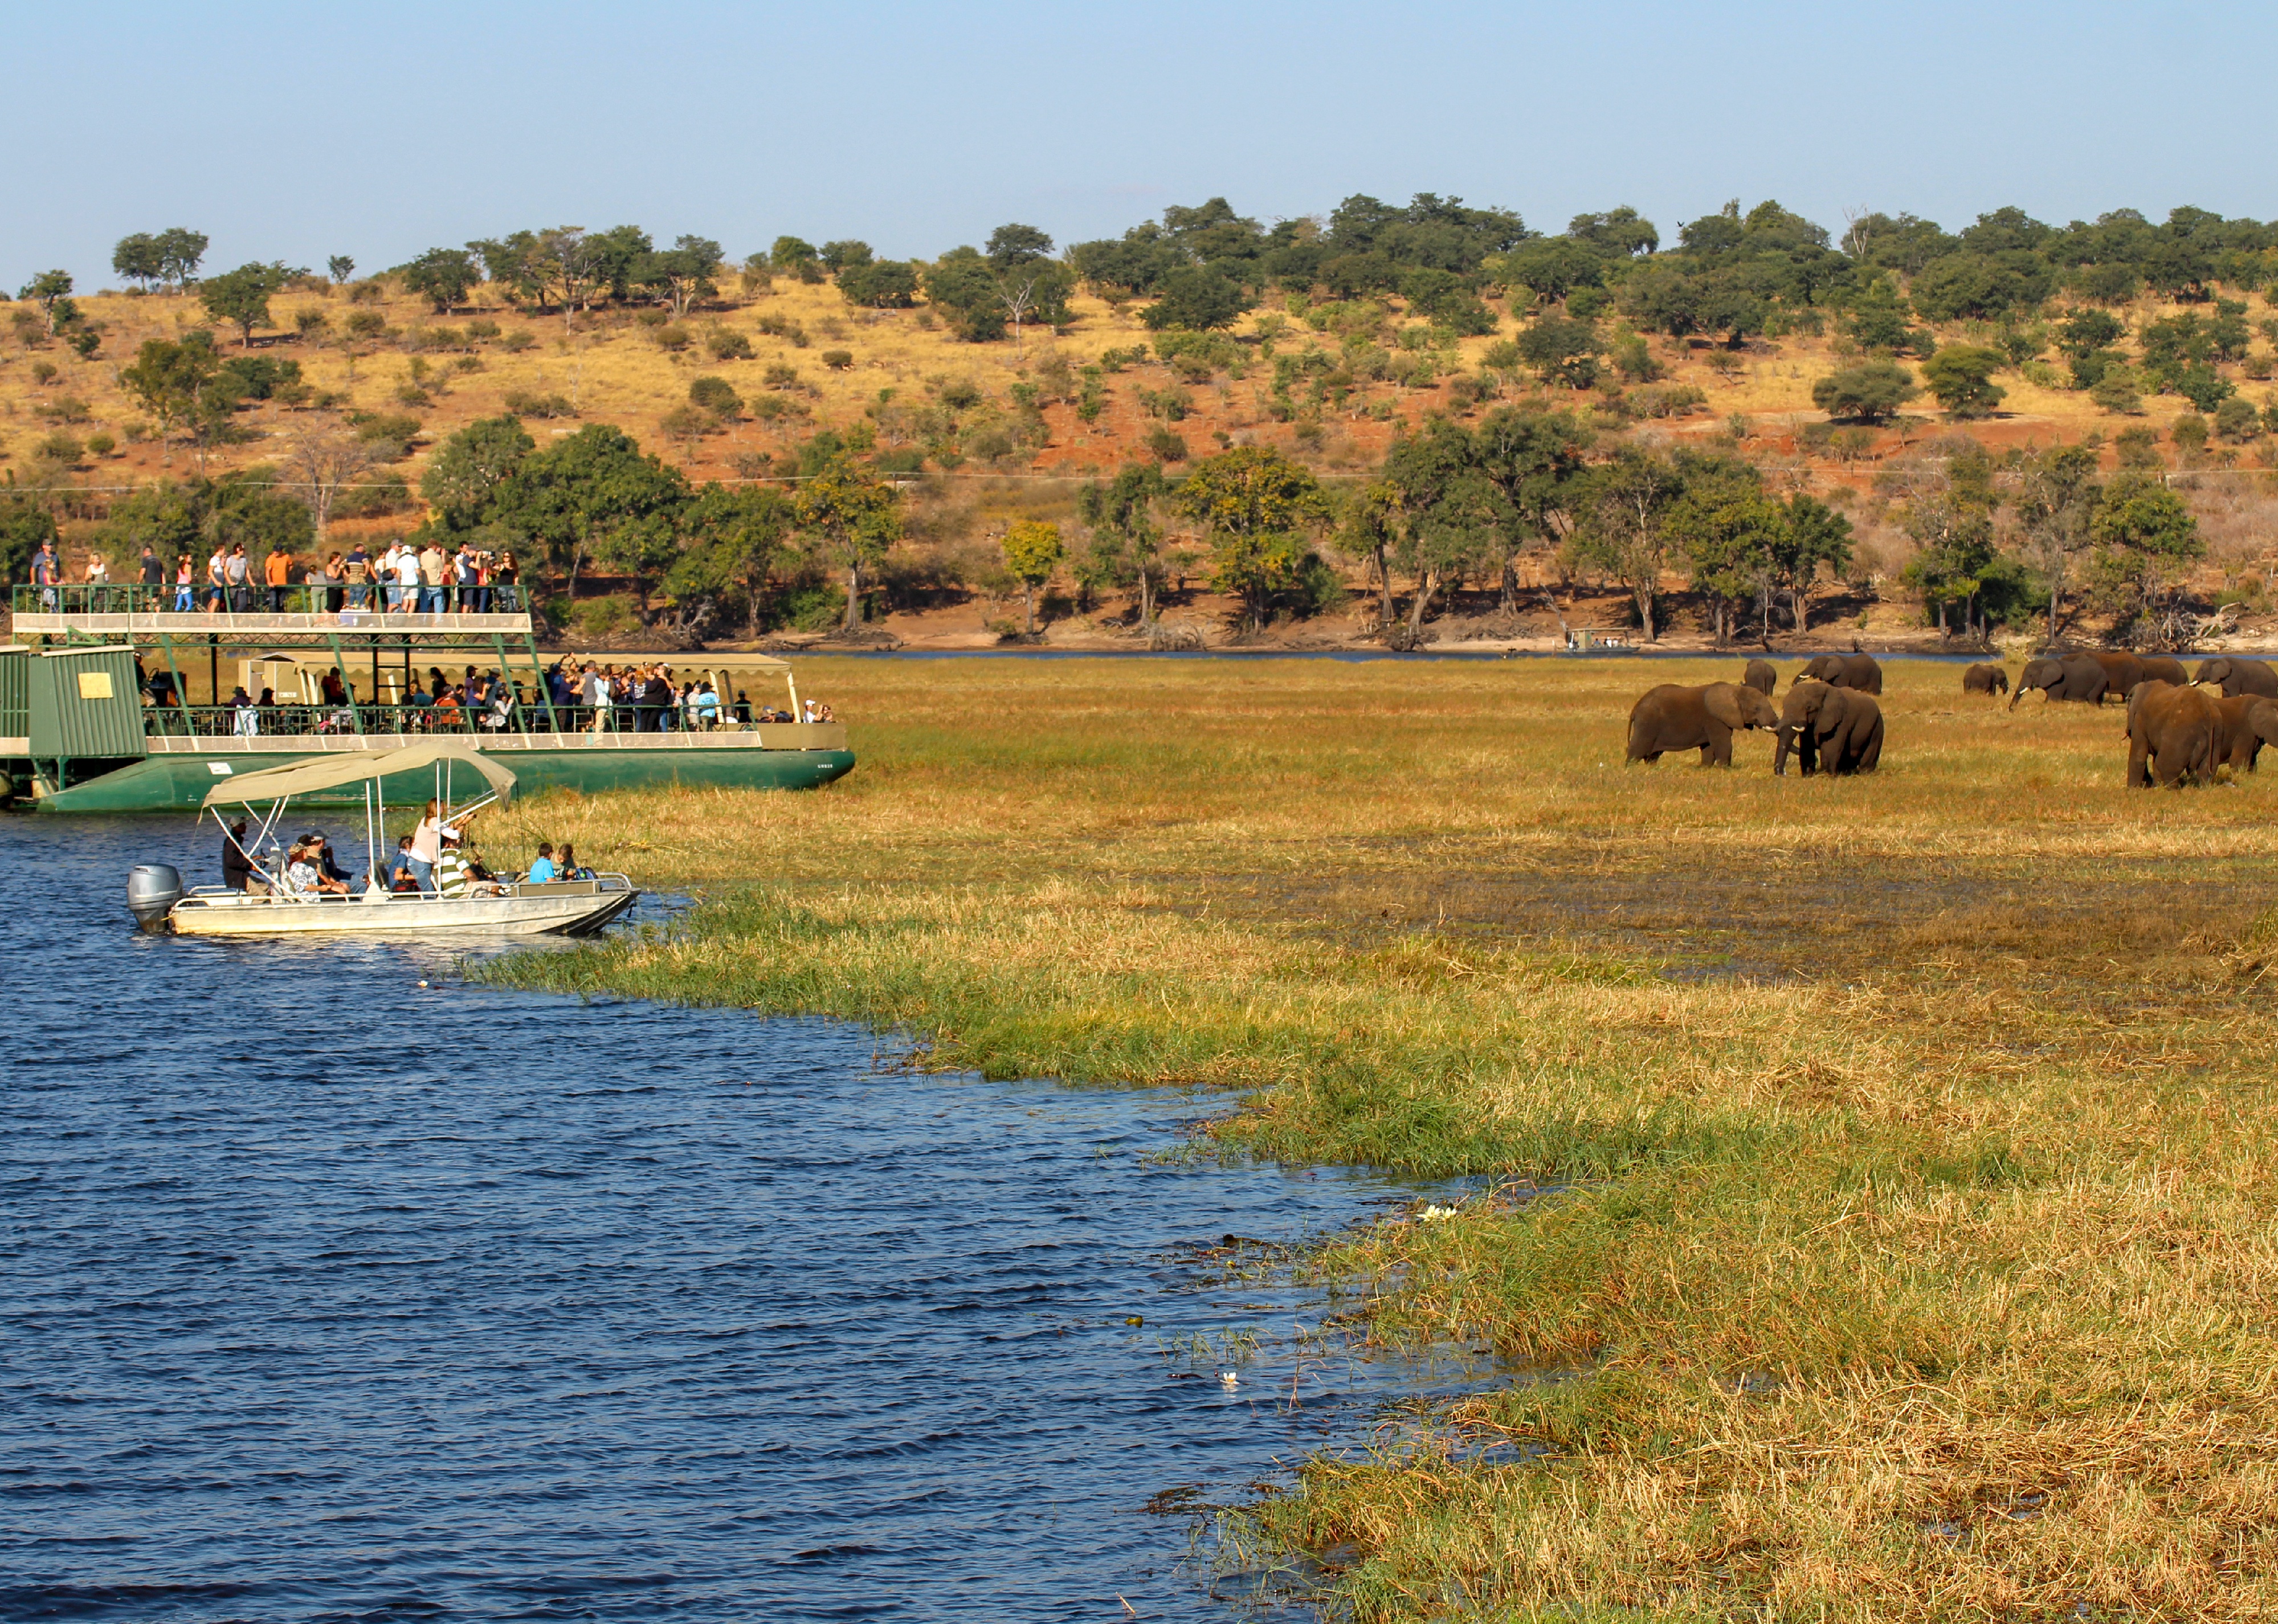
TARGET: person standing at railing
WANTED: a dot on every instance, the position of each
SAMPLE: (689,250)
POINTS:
(216,578)
(46,574)
(504,573)
(237,569)
(276,571)
(463,579)
(186,582)
(356,569)
(433,573)
(153,572)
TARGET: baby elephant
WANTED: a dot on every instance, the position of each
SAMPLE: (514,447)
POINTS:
(1838,729)
(1673,717)
(1761,676)
(1985,679)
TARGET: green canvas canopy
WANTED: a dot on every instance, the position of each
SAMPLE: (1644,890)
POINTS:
(354,767)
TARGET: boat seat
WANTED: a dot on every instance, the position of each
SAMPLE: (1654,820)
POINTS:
(562,888)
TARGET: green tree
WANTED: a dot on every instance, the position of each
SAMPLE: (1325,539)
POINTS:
(1025,283)
(593,493)
(739,536)
(2057,493)
(2146,538)
(1871,392)
(50,291)
(180,252)
(1448,520)
(1563,350)
(1197,298)
(444,275)
(881,284)
(339,267)
(1729,532)
(184,387)
(1126,538)
(1622,527)
(139,260)
(1256,508)
(682,274)
(242,297)
(841,256)
(463,478)
(1033,550)
(1815,534)
(1535,460)
(1947,503)
(853,519)
(796,256)
(1961,377)
(963,285)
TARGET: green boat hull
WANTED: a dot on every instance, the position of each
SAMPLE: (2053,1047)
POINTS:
(180,782)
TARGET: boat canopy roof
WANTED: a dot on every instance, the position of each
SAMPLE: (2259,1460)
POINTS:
(354,767)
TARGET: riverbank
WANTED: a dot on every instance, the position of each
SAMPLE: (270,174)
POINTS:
(1911,1238)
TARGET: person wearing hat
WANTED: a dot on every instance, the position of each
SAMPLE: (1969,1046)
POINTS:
(321,853)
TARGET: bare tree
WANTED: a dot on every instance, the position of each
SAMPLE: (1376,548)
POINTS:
(326,456)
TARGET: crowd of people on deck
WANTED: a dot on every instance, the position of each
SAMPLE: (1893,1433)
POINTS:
(437,859)
(406,579)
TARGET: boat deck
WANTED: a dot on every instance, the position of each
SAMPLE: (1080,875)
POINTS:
(758,736)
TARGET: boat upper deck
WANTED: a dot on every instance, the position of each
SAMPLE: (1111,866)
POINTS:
(301,612)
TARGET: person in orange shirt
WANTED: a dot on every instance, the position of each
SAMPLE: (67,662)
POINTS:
(276,568)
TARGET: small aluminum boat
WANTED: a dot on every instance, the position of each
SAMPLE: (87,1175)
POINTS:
(155,896)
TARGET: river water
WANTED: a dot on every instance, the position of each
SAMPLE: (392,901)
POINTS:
(326,1295)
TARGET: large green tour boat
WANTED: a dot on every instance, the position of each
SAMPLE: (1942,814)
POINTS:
(94,715)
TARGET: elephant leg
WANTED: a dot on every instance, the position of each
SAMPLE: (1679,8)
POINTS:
(1870,754)
(1718,751)
(2138,778)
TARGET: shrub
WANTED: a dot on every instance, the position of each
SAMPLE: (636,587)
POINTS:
(482,332)
(839,360)
(601,617)
(514,344)
(44,372)
(66,409)
(1166,446)
(529,404)
(2234,419)
(960,393)
(726,344)
(1961,377)
(2190,433)
(781,375)
(62,448)
(366,323)
(673,337)
(2117,391)
(2137,448)
(715,396)
(104,445)
(388,434)
(1870,393)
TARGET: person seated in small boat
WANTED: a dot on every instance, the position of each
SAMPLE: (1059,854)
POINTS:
(461,872)
(303,877)
(401,877)
(567,866)
(542,871)
(707,706)
(321,850)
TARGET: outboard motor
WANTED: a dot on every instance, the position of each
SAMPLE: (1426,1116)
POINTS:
(152,889)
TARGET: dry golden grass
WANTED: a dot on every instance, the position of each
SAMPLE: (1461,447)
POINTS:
(1909,1252)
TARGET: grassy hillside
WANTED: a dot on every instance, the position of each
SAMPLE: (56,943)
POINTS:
(69,426)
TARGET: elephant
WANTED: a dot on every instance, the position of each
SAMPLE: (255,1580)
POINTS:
(2235,677)
(1761,676)
(1985,679)
(1840,729)
(2164,668)
(1673,717)
(2171,735)
(1845,670)
(2122,671)
(2241,727)
(2074,677)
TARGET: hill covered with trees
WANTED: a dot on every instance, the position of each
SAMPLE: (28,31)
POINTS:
(1394,421)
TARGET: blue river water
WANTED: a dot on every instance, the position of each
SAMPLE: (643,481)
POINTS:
(328,1294)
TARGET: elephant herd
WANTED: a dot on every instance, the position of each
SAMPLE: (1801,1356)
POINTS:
(1830,721)
(2180,727)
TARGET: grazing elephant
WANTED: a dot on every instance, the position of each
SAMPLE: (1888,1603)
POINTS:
(2075,677)
(2164,669)
(2171,735)
(1671,717)
(1845,670)
(2122,672)
(2241,727)
(2236,677)
(1985,679)
(1840,729)
(1761,676)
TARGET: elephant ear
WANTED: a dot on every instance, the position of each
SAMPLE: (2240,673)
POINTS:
(1831,711)
(1722,702)
(2262,720)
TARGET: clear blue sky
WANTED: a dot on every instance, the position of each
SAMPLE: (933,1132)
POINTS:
(294,132)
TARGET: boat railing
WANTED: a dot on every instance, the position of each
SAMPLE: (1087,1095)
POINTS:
(327,598)
(350,721)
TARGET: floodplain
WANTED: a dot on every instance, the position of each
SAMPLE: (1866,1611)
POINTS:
(1886,1161)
